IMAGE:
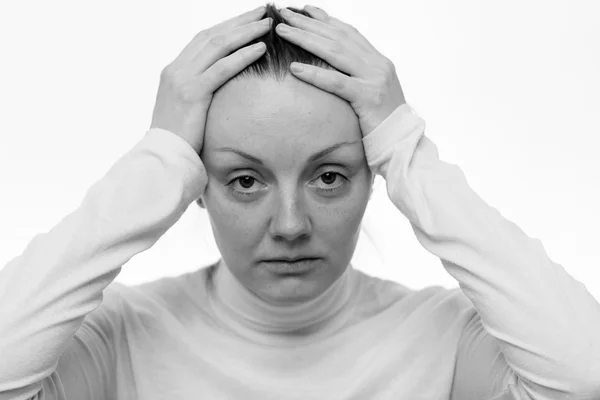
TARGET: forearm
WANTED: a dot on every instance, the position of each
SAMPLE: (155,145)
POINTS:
(546,323)
(46,292)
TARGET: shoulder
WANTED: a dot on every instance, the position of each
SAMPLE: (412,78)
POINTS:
(151,302)
(438,304)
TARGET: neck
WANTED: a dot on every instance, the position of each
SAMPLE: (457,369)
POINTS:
(247,311)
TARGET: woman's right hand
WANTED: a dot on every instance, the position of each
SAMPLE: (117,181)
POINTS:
(187,84)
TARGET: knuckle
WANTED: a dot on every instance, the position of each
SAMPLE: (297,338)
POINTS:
(338,83)
(388,65)
(216,40)
(166,73)
(203,34)
(336,47)
(223,70)
(341,33)
(312,74)
(171,74)
(227,71)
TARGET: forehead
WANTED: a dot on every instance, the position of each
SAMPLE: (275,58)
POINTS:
(258,113)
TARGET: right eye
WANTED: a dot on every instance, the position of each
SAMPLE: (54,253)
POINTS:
(245,182)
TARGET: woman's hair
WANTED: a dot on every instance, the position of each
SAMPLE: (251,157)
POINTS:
(280,53)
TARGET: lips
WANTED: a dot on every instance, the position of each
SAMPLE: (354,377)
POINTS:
(300,266)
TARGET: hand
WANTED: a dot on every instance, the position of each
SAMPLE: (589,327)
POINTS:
(187,84)
(373,88)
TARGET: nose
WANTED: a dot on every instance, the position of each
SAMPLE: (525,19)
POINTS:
(291,220)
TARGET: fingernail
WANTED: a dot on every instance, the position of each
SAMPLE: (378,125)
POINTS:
(296,67)
(315,8)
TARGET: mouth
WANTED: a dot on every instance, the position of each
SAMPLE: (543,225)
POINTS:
(296,267)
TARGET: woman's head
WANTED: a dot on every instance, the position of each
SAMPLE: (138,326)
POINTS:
(283,204)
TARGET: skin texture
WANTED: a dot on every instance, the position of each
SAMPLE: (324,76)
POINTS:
(287,211)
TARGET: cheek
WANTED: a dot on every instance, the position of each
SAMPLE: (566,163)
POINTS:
(342,224)
(233,227)
(231,224)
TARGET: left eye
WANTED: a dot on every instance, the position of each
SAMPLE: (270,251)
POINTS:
(330,176)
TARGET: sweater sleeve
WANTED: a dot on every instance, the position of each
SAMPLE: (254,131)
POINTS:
(545,324)
(46,292)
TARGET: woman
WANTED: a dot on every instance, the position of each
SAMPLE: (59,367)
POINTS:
(284,163)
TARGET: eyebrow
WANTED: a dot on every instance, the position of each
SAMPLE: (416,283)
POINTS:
(316,156)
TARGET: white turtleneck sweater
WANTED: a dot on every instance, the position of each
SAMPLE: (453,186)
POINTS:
(519,327)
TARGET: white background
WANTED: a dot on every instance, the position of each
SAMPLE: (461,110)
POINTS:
(509,92)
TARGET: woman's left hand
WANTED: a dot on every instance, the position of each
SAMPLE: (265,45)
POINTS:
(373,88)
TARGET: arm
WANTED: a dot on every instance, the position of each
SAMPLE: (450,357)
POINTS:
(545,324)
(86,370)
(47,291)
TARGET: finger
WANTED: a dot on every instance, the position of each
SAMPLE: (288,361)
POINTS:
(331,81)
(227,67)
(332,51)
(242,19)
(223,44)
(225,26)
(316,12)
(310,24)
(322,16)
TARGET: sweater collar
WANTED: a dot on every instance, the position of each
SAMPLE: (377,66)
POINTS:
(242,308)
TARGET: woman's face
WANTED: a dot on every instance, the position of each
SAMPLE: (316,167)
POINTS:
(284,204)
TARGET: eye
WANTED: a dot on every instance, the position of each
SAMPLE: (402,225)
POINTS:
(246,182)
(329,178)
